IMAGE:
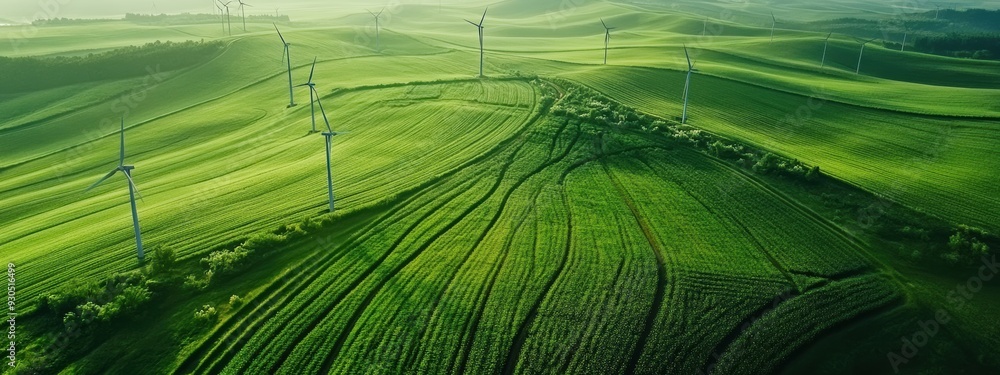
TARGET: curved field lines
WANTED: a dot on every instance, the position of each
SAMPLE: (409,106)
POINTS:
(552,255)
(209,176)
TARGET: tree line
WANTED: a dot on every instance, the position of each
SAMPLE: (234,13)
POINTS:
(39,73)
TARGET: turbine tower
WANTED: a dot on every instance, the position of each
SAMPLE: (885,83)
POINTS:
(244,13)
(378,45)
(132,191)
(312,89)
(479,26)
(222,14)
(287,52)
(687,85)
(826,43)
(607,39)
(858,71)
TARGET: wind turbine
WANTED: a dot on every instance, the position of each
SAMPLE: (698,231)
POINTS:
(826,43)
(312,89)
(906,32)
(687,85)
(328,134)
(774,21)
(607,39)
(704,27)
(480,27)
(862,53)
(377,42)
(244,13)
(287,52)
(228,20)
(132,190)
(937,12)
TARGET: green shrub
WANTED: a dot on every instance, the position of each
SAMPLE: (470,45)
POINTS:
(207,314)
(163,261)
(235,301)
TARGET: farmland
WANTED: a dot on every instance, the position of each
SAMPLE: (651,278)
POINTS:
(554,216)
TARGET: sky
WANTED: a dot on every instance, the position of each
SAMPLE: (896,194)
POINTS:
(23,11)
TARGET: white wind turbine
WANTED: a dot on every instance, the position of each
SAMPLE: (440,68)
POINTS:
(378,44)
(687,85)
(243,13)
(132,191)
(607,39)
(479,26)
(328,134)
(860,55)
(826,43)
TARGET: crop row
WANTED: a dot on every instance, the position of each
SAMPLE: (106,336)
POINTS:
(771,339)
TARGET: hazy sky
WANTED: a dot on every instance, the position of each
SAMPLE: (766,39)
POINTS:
(28,10)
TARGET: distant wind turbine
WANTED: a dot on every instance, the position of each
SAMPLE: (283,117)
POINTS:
(687,85)
(937,12)
(704,27)
(480,27)
(906,32)
(228,20)
(378,46)
(774,21)
(860,55)
(243,13)
(312,89)
(826,43)
(607,39)
(132,191)
(287,52)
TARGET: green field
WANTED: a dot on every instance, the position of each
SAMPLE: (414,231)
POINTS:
(551,217)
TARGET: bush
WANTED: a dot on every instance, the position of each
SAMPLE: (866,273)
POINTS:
(235,301)
(163,261)
(226,261)
(207,314)
(814,174)
(766,164)
(196,283)
(968,243)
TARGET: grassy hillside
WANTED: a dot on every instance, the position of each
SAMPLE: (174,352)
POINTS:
(515,223)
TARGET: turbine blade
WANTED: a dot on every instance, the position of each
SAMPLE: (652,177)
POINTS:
(279,33)
(686,55)
(472,23)
(323,111)
(107,176)
(284,51)
(773,20)
(121,155)
(484,16)
(828,36)
(604,24)
(380,13)
(313,70)
(370,12)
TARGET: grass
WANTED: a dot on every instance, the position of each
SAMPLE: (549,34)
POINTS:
(482,232)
